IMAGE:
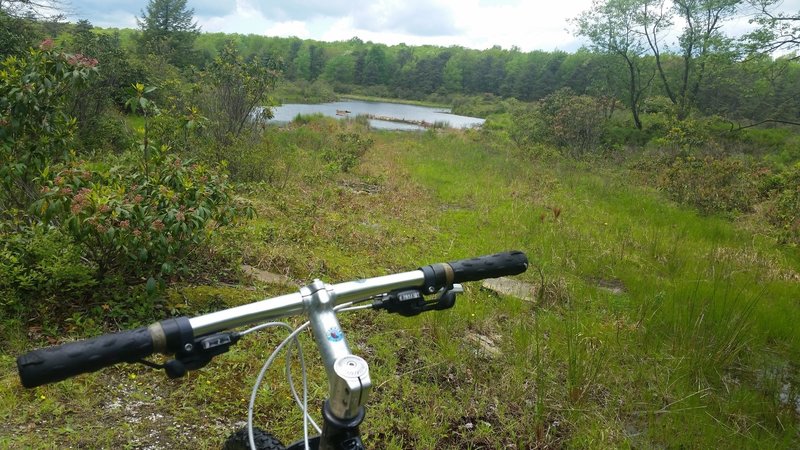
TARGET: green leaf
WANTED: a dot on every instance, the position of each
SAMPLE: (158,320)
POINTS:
(151,285)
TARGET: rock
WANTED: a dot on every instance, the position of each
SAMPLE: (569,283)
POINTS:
(486,344)
(360,187)
(513,288)
(613,285)
(267,277)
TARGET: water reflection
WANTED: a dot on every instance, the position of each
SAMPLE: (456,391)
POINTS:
(412,114)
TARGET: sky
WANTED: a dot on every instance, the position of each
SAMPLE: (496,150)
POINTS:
(480,24)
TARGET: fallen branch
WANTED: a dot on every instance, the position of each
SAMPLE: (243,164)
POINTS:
(785,122)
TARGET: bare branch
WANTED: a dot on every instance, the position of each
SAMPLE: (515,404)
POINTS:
(785,122)
(35,9)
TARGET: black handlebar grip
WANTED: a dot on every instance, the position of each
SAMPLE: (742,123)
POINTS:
(48,365)
(489,266)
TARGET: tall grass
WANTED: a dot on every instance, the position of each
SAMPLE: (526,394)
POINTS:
(710,323)
(585,357)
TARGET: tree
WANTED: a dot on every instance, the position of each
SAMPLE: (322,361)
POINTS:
(376,69)
(451,74)
(490,70)
(309,62)
(703,20)
(611,26)
(236,90)
(16,35)
(302,64)
(358,69)
(654,16)
(293,52)
(168,30)
(427,74)
(340,69)
(700,37)
(33,9)
(776,30)
(316,62)
(547,81)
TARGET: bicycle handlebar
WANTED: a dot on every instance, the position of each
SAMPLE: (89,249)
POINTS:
(491,266)
(48,365)
(441,275)
(170,336)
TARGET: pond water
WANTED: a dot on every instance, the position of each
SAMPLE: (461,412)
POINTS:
(410,113)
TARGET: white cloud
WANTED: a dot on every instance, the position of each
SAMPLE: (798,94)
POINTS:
(290,28)
(472,24)
(244,19)
(527,24)
(415,17)
(469,23)
(284,11)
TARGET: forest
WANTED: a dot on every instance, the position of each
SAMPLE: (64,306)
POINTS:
(652,176)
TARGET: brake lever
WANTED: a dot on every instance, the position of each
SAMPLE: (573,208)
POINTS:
(411,302)
(196,355)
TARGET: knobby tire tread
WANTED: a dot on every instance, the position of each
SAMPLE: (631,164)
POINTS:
(263,441)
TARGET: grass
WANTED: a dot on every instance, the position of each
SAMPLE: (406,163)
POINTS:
(653,326)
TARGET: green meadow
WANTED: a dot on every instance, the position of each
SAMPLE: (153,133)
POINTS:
(652,325)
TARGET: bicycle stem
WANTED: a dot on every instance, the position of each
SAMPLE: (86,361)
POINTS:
(348,374)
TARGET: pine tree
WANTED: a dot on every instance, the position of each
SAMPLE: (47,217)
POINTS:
(168,29)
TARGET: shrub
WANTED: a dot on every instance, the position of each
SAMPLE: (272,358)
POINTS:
(577,125)
(35,130)
(16,34)
(528,125)
(346,151)
(766,140)
(109,134)
(235,90)
(67,226)
(39,267)
(712,185)
(684,136)
(180,130)
(784,210)
(135,223)
(270,159)
(571,122)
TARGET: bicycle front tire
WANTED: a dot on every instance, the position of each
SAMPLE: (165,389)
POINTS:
(263,440)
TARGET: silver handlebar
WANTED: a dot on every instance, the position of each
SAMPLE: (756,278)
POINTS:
(292,304)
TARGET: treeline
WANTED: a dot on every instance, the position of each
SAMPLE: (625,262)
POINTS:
(706,71)
(754,88)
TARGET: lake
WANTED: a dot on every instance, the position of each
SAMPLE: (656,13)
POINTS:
(411,113)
